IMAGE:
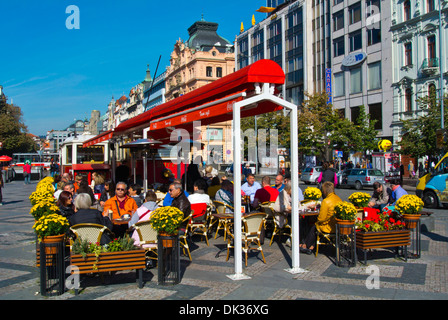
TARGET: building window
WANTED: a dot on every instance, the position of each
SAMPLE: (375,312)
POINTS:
(373,36)
(355,80)
(209,72)
(354,13)
(407,10)
(338,1)
(430,5)
(355,41)
(376,113)
(408,54)
(432,90)
(339,46)
(218,72)
(431,49)
(339,84)
(338,20)
(354,114)
(408,100)
(374,70)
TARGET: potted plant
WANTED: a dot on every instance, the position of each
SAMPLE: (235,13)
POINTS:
(409,207)
(166,221)
(51,228)
(311,196)
(43,208)
(44,192)
(359,199)
(345,214)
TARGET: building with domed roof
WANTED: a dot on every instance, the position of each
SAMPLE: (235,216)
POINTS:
(203,58)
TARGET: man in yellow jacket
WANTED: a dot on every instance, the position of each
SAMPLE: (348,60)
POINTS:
(325,219)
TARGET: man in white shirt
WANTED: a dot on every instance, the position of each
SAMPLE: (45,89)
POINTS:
(250,187)
(199,195)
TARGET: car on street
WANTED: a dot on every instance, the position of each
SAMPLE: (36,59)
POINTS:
(361,178)
(311,174)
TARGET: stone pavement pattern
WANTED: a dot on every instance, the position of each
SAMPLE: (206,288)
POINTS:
(205,278)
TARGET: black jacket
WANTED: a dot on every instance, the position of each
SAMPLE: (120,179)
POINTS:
(182,203)
(92,216)
(66,211)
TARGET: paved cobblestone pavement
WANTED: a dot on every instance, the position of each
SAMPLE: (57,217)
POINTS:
(205,278)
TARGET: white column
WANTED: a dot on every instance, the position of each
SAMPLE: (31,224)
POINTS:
(237,194)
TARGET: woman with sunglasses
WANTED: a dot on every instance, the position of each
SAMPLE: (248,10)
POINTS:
(65,204)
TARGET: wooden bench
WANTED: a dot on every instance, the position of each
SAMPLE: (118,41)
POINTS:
(382,239)
(109,262)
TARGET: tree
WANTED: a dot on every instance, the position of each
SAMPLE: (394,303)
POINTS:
(322,129)
(13,132)
(418,135)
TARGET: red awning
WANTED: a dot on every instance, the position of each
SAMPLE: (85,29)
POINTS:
(106,135)
(243,80)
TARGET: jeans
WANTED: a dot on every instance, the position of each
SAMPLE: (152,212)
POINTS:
(27,178)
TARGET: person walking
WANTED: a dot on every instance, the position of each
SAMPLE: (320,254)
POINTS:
(1,186)
(411,170)
(27,172)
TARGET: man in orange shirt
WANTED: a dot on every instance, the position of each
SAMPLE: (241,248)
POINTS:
(121,203)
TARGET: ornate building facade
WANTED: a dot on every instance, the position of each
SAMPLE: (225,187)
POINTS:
(203,58)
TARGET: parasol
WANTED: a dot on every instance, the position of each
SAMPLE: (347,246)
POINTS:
(5,158)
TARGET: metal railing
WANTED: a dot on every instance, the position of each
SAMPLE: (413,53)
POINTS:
(430,63)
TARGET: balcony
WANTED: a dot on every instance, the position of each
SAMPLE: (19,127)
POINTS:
(430,66)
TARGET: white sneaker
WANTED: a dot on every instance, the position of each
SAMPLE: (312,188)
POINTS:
(288,242)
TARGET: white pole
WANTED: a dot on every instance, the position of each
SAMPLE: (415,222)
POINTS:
(237,193)
(294,194)
(442,124)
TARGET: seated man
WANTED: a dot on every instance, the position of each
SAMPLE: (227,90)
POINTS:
(250,187)
(279,183)
(325,219)
(397,191)
(121,203)
(169,199)
(382,196)
(266,193)
(199,200)
(180,201)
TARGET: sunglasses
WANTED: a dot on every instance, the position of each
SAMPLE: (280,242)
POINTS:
(120,189)
(171,190)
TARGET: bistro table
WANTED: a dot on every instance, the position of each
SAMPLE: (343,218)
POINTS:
(120,227)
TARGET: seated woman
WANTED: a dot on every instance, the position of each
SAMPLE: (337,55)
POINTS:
(107,193)
(225,194)
(86,215)
(65,204)
(144,212)
(325,219)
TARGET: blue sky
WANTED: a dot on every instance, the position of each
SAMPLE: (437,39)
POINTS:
(57,75)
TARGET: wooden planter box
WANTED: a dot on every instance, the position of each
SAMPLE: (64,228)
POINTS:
(383,239)
(110,261)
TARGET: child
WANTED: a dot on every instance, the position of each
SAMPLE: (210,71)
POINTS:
(134,192)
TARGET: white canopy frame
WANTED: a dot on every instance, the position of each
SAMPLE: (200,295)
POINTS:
(265,93)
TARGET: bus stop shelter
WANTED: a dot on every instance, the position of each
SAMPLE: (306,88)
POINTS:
(247,92)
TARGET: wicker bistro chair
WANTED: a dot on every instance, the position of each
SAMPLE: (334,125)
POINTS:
(91,232)
(252,226)
(160,197)
(281,226)
(323,238)
(147,238)
(199,223)
(222,223)
(183,241)
(268,208)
